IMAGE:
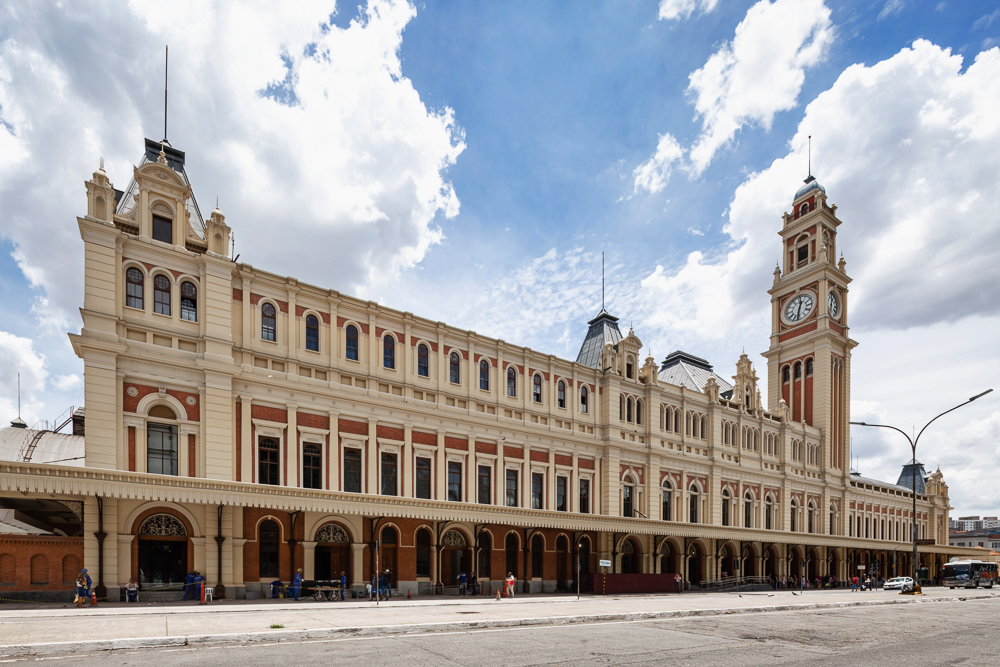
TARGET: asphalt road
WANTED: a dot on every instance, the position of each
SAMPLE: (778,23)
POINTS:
(933,634)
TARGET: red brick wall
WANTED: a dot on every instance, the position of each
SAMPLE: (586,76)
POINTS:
(540,457)
(269,414)
(57,560)
(357,428)
(586,464)
(131,448)
(486,447)
(456,443)
(389,432)
(422,438)
(313,421)
(251,556)
(513,452)
(239,441)
(563,460)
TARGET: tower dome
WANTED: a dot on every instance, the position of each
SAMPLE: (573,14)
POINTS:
(810,184)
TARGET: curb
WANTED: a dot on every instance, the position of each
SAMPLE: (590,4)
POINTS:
(422,628)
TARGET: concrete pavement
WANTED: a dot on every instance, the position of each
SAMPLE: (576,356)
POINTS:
(54,629)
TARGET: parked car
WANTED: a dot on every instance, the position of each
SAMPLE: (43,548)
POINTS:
(898,584)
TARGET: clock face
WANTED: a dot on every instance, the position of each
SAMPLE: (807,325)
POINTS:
(833,304)
(798,308)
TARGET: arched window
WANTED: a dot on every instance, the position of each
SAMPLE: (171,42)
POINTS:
(484,375)
(809,518)
(161,295)
(628,368)
(423,368)
(561,394)
(267,457)
(268,325)
(312,477)
(352,342)
(748,510)
(389,351)
(704,427)
(627,500)
(668,494)
(798,370)
(268,540)
(536,388)
(584,399)
(794,515)
(693,505)
(423,553)
(189,301)
(638,412)
(768,512)
(809,367)
(312,333)
(453,368)
(511,381)
(134,286)
(621,407)
(628,409)
(725,433)
(725,507)
(804,209)
(677,420)
(537,554)
(785,375)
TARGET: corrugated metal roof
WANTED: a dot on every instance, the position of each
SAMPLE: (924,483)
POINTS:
(61,448)
(603,329)
(686,370)
(877,482)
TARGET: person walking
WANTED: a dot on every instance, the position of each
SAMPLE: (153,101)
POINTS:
(854,584)
(509,585)
(81,590)
(463,584)
(677,583)
(189,587)
(343,585)
(297,583)
(474,584)
(386,584)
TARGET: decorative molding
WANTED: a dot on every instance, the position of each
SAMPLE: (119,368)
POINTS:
(162,525)
(332,533)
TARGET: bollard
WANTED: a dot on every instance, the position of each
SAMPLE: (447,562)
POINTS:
(202,593)
(408,596)
(93,599)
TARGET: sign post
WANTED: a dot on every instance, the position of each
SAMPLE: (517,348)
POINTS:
(604,576)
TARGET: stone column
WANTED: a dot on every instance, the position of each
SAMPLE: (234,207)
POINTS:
(308,560)
(357,564)
(440,469)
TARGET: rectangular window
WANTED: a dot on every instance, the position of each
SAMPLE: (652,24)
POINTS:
(627,502)
(389,475)
(423,478)
(485,475)
(511,479)
(803,253)
(161,449)
(455,482)
(163,229)
(311,467)
(352,470)
(585,496)
(561,484)
(536,491)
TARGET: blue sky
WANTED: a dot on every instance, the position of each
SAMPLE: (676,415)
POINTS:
(470,162)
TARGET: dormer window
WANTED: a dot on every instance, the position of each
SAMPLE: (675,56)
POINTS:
(163,229)
(628,369)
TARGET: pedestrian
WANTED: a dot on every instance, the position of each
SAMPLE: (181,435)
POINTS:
(297,583)
(197,585)
(784,581)
(509,590)
(88,582)
(373,591)
(131,591)
(462,584)
(189,586)
(677,583)
(81,590)
(474,583)
(854,584)
(386,584)
(343,585)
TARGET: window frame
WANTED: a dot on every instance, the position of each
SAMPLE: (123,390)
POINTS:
(561,394)
(537,491)
(389,352)
(157,227)
(423,361)
(536,388)
(309,470)
(584,493)
(165,453)
(511,483)
(454,370)
(269,465)
(355,457)
(584,400)
(139,286)
(418,469)
(268,333)
(312,333)
(511,382)
(454,482)
(562,493)
(189,302)
(392,479)
(351,343)
(484,375)
(484,484)
(162,304)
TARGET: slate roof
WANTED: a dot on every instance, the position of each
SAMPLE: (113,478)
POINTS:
(175,160)
(686,370)
(885,485)
(603,329)
(906,477)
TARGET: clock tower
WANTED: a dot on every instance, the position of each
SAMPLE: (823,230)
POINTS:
(809,359)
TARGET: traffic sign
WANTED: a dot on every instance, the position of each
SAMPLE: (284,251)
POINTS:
(604,563)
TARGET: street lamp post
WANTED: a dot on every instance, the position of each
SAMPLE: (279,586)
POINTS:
(913,469)
(578,547)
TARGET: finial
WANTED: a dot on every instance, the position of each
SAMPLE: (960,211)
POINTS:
(602,280)
(810,156)
(166,70)
(102,163)
(163,155)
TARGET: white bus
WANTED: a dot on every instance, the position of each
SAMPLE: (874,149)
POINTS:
(969,574)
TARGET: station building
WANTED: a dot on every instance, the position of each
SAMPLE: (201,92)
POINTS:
(245,424)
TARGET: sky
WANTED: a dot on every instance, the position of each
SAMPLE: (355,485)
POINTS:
(471,162)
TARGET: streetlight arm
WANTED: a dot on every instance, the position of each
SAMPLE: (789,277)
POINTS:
(908,438)
(947,411)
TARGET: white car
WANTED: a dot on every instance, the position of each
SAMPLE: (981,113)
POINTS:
(898,584)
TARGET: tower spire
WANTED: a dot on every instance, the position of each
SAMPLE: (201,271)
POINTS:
(602,280)
(166,71)
(810,152)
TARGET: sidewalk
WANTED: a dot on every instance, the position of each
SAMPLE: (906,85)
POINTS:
(51,628)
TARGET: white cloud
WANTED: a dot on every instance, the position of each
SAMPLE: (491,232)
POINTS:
(18,356)
(682,9)
(759,73)
(891,8)
(654,174)
(986,20)
(67,382)
(305,130)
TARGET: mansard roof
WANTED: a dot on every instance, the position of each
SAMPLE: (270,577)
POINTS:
(686,370)
(906,477)
(175,160)
(603,329)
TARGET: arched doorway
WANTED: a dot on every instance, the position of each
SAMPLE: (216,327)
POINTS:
(510,548)
(629,557)
(163,552)
(387,554)
(770,562)
(268,549)
(454,557)
(812,566)
(332,553)
(537,560)
(694,568)
(484,564)
(584,555)
(668,558)
(726,559)
(748,564)
(423,553)
(562,562)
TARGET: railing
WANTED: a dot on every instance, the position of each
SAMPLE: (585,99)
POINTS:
(733,582)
